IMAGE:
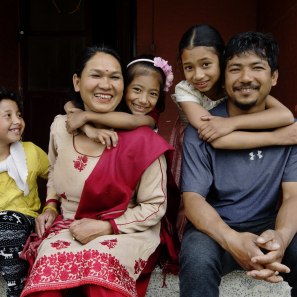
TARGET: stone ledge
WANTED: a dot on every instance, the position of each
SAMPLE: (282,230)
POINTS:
(235,284)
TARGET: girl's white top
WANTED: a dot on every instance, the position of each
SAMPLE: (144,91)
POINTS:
(186,92)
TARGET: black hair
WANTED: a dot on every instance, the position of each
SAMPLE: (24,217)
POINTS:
(144,68)
(203,35)
(10,95)
(83,59)
(263,45)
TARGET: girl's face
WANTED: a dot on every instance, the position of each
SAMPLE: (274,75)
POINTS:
(101,83)
(11,123)
(201,68)
(142,94)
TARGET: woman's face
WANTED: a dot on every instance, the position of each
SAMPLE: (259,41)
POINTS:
(101,83)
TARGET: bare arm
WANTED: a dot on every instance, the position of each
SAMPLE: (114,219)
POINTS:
(246,140)
(118,120)
(240,245)
(220,131)
(206,219)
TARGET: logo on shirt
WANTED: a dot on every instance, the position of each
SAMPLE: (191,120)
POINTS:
(252,156)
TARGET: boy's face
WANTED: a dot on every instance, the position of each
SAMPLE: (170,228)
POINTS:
(248,81)
(12,124)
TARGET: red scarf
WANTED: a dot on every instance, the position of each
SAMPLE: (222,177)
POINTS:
(108,189)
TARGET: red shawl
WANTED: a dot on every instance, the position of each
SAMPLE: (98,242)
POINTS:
(108,189)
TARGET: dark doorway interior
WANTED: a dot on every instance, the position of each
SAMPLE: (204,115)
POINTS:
(52,33)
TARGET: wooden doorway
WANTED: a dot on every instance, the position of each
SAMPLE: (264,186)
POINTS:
(52,34)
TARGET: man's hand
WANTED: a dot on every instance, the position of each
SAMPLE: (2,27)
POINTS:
(243,248)
(75,119)
(271,241)
(215,127)
(85,230)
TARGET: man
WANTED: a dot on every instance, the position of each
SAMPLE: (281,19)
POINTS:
(231,196)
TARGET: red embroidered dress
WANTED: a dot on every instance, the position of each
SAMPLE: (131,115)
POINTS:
(112,261)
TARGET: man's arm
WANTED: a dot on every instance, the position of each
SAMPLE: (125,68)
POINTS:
(206,219)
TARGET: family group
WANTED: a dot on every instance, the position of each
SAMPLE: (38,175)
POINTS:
(221,196)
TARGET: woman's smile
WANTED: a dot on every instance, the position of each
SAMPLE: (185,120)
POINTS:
(100,90)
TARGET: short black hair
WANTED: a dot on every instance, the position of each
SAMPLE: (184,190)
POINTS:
(263,45)
(10,95)
(81,62)
(144,67)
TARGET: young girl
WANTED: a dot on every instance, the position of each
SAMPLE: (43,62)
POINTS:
(146,81)
(201,54)
(20,165)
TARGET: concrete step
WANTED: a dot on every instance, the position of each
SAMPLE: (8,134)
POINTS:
(235,284)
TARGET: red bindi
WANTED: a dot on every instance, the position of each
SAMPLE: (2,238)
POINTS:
(106,70)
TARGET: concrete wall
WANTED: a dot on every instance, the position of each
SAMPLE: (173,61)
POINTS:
(9,59)
(173,17)
(281,21)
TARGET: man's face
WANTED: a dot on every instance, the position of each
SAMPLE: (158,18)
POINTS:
(248,80)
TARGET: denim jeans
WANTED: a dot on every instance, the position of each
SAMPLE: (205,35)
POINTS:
(203,261)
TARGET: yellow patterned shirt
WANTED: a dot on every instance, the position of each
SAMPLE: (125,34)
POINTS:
(11,197)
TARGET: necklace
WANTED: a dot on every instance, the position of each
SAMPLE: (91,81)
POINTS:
(71,12)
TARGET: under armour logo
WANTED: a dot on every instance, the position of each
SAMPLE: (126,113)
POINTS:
(253,156)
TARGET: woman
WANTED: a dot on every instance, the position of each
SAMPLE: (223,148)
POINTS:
(111,201)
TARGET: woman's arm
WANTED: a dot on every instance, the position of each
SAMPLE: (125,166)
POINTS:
(150,204)
(46,219)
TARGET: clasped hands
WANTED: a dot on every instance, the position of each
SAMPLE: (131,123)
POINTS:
(245,249)
(85,230)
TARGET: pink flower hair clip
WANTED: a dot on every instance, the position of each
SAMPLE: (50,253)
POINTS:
(161,63)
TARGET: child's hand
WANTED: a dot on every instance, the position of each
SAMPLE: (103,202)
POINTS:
(75,119)
(103,136)
(215,127)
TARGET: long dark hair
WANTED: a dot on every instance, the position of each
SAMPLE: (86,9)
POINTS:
(203,35)
(83,59)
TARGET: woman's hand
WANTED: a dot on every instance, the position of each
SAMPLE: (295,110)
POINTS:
(103,136)
(44,221)
(85,230)
(75,119)
(215,127)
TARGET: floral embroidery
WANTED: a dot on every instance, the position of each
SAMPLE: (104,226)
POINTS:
(80,163)
(67,269)
(63,196)
(60,244)
(139,266)
(110,243)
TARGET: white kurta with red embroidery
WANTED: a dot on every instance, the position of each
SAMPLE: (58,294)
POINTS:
(112,261)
